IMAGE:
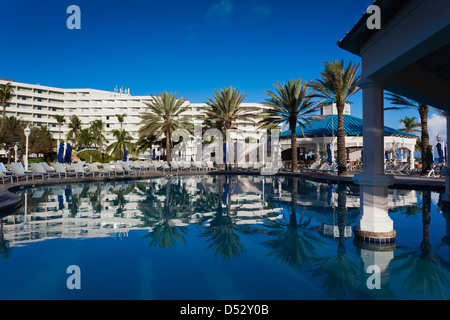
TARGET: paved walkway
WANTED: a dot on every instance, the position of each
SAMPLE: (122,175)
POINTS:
(9,200)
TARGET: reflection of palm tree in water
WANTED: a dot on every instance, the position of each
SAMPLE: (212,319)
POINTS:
(223,231)
(339,272)
(160,216)
(290,246)
(428,273)
(5,248)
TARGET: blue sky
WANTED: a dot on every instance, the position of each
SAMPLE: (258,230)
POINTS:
(188,47)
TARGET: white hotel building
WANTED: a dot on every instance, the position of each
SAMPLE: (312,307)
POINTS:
(37,105)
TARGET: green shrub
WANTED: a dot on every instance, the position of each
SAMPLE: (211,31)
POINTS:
(86,156)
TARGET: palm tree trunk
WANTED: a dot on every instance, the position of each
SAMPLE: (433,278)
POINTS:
(294,146)
(425,245)
(3,115)
(342,154)
(168,155)
(426,161)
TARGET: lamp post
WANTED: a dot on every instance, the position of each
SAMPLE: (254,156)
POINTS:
(27,132)
(16,148)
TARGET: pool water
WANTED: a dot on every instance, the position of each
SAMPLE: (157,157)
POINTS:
(218,237)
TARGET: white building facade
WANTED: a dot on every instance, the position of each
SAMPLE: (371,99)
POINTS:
(37,105)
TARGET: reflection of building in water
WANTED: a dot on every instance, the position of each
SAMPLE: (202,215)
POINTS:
(113,209)
(322,202)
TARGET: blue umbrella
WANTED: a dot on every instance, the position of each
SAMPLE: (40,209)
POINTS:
(226,188)
(154,154)
(60,153)
(68,193)
(387,155)
(362,155)
(125,154)
(60,202)
(225,155)
(68,156)
(330,194)
(440,152)
(330,157)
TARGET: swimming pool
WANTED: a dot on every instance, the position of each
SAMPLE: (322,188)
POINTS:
(218,237)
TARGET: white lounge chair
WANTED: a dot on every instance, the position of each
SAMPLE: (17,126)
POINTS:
(61,170)
(79,170)
(20,173)
(38,169)
(111,169)
(96,171)
(4,176)
(47,167)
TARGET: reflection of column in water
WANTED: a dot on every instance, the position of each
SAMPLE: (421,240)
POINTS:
(380,256)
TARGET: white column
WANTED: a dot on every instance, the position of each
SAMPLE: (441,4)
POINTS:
(374,222)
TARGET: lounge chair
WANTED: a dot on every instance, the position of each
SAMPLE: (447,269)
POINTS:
(79,169)
(174,166)
(26,170)
(4,170)
(313,167)
(96,171)
(38,169)
(19,173)
(5,176)
(110,169)
(404,170)
(394,168)
(126,167)
(61,170)
(118,168)
(165,166)
(47,167)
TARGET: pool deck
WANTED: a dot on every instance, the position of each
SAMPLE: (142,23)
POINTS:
(9,200)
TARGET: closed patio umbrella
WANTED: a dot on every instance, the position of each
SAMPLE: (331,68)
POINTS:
(440,153)
(60,156)
(68,156)
(330,156)
(125,158)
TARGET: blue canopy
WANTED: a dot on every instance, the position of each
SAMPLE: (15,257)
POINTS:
(59,158)
(440,153)
(125,154)
(330,156)
(68,156)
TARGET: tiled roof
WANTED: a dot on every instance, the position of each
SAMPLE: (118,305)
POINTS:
(328,126)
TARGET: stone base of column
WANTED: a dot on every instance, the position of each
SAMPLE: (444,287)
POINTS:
(374,225)
(375,237)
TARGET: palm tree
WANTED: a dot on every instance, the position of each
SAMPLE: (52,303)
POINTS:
(337,85)
(85,138)
(6,94)
(123,140)
(165,116)
(410,124)
(97,127)
(60,119)
(75,128)
(224,109)
(121,119)
(293,105)
(402,103)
